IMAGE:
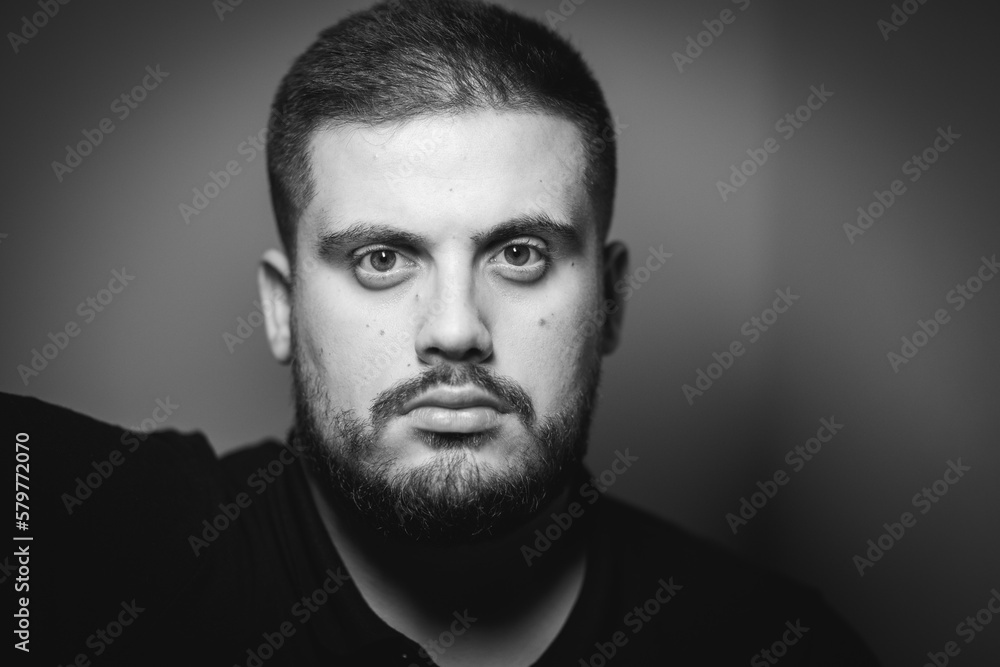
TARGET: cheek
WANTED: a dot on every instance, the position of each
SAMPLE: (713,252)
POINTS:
(554,352)
(349,349)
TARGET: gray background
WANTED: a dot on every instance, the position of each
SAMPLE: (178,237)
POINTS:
(163,335)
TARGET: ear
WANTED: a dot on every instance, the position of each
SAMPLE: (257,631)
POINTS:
(275,284)
(615,265)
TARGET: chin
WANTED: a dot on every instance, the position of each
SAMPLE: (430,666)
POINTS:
(434,487)
(439,486)
(457,495)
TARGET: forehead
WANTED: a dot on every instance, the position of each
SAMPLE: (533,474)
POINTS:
(468,170)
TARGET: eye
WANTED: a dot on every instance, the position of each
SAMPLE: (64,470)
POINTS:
(382,260)
(522,260)
(518,255)
(381,267)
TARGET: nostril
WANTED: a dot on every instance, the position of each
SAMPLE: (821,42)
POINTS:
(470,355)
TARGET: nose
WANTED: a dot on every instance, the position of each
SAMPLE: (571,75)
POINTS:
(452,327)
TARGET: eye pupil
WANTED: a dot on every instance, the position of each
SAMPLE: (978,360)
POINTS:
(383,260)
(517,254)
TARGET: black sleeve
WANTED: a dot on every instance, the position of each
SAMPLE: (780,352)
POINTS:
(110,513)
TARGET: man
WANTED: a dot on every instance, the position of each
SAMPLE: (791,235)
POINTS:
(442,175)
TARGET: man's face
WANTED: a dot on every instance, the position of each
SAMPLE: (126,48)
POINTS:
(447,270)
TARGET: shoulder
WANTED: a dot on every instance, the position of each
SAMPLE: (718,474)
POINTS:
(648,540)
(266,456)
(107,485)
(718,595)
(114,509)
(640,543)
(76,435)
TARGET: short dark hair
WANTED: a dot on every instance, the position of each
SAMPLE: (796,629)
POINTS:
(406,58)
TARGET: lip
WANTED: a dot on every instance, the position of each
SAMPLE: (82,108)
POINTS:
(450,409)
(456,398)
(449,420)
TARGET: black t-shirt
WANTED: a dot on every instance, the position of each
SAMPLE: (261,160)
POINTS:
(148,549)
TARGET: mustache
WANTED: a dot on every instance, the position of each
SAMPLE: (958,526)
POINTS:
(390,402)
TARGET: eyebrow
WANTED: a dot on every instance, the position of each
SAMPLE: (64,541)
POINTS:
(332,244)
(537,224)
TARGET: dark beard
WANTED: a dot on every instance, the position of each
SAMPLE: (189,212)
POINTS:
(453,500)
